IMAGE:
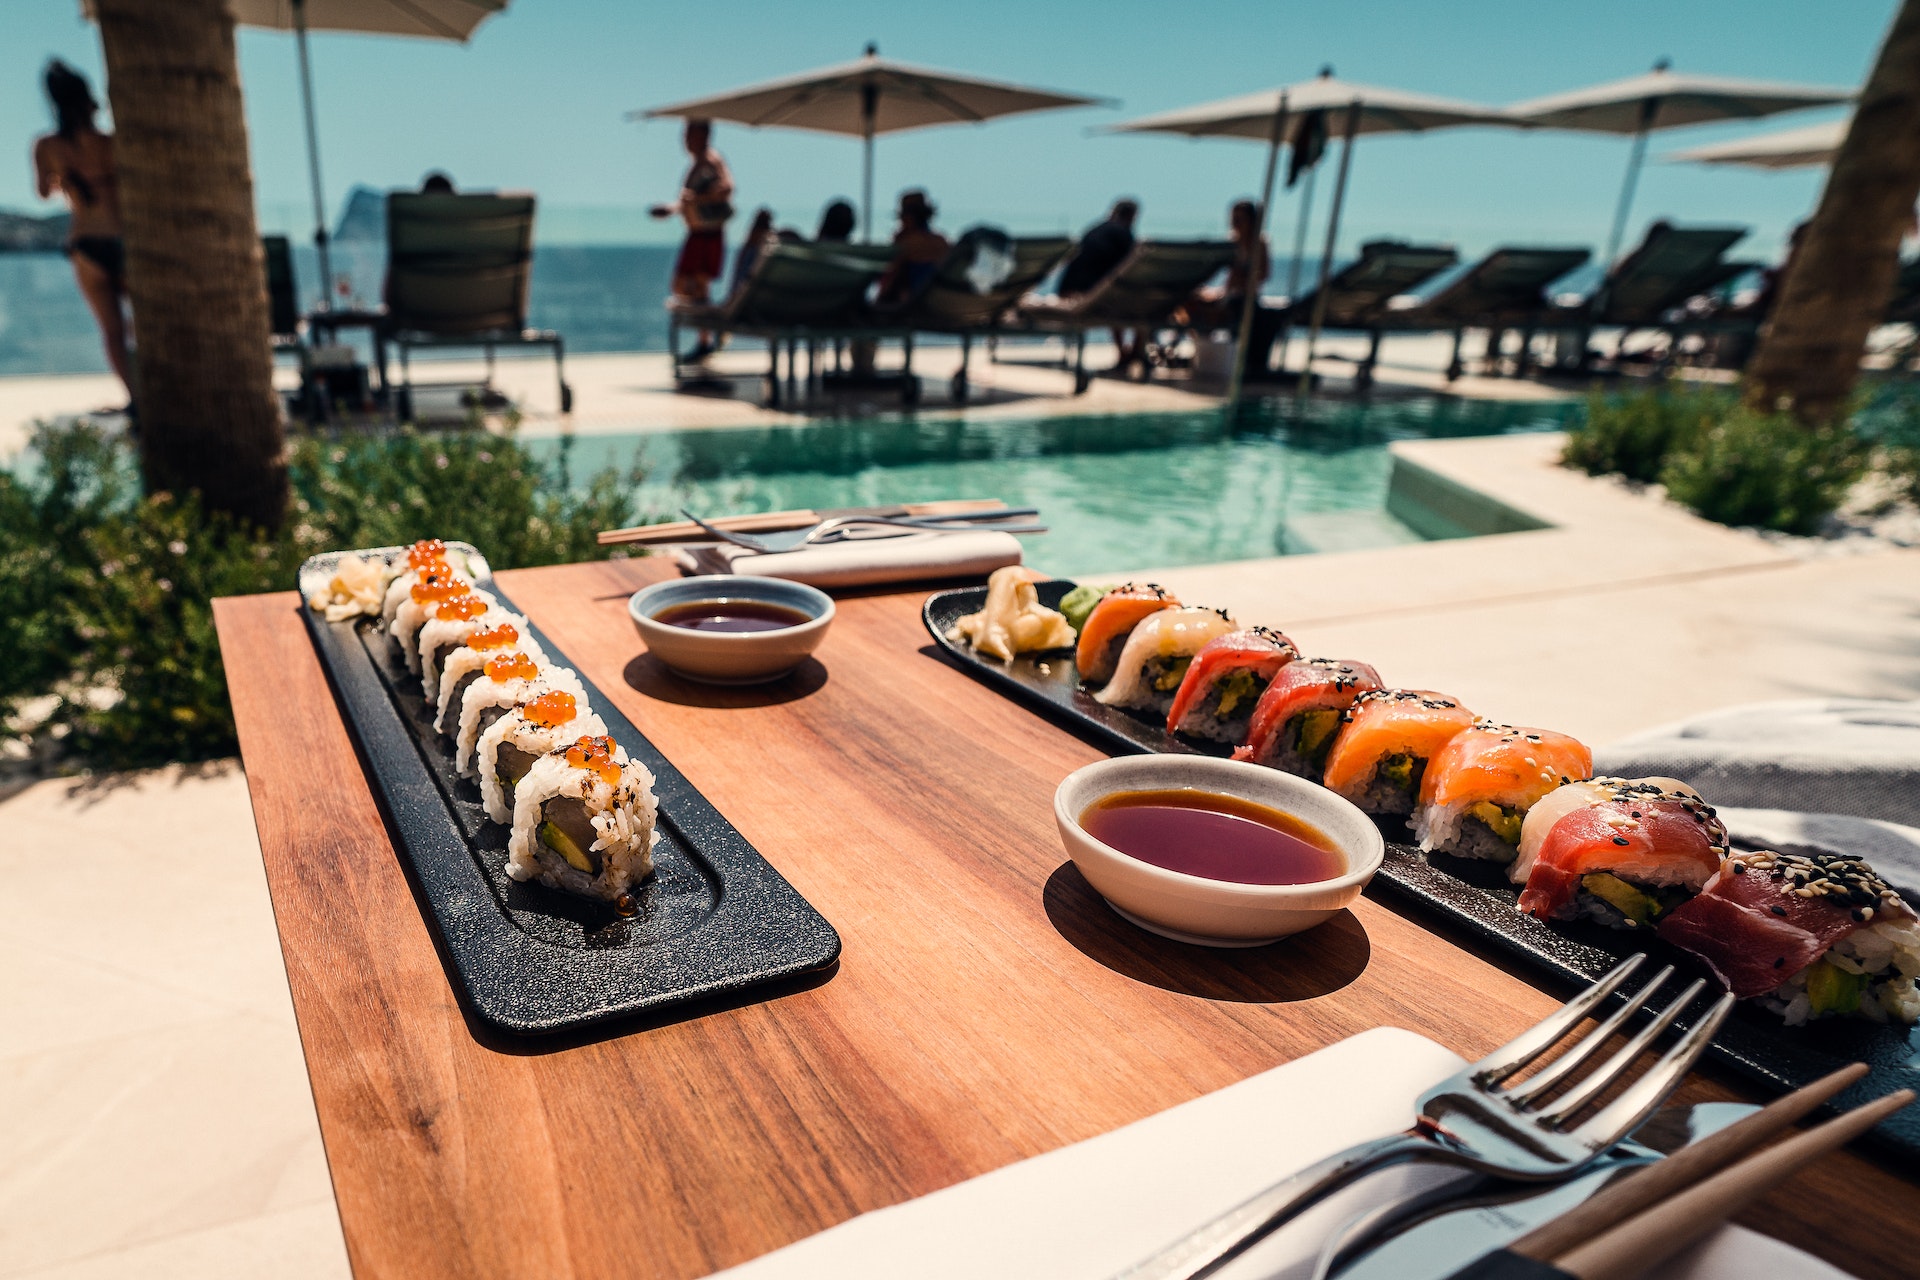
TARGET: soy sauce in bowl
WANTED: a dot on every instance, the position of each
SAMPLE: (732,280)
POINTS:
(1216,836)
(734,615)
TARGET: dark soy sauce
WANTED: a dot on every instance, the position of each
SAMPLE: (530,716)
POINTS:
(1220,837)
(732,615)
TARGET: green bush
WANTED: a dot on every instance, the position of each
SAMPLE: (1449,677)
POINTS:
(1630,434)
(104,594)
(1766,470)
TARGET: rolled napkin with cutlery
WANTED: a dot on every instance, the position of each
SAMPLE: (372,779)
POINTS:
(863,562)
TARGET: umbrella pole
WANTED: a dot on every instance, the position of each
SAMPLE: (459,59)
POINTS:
(1333,236)
(313,157)
(1636,159)
(1299,253)
(869,102)
(1251,302)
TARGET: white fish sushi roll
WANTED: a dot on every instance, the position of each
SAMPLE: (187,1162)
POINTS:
(434,587)
(512,743)
(446,626)
(461,665)
(583,821)
(1157,655)
(508,680)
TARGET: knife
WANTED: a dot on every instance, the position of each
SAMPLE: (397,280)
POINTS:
(780,521)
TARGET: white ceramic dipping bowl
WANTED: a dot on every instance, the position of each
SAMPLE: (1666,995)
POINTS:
(731,657)
(1215,913)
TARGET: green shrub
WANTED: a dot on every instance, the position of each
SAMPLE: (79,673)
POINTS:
(1631,433)
(104,594)
(1766,470)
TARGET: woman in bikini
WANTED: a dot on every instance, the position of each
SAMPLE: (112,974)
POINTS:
(77,161)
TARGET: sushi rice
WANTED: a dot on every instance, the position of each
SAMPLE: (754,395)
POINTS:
(487,699)
(518,732)
(588,789)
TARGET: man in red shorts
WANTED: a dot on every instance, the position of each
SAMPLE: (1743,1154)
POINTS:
(706,202)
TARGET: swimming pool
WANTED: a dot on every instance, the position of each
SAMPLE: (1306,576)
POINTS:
(1126,491)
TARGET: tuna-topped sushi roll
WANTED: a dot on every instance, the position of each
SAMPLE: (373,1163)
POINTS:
(1386,739)
(583,821)
(1622,852)
(1806,937)
(406,568)
(434,586)
(446,625)
(513,742)
(466,663)
(507,680)
(1157,655)
(1224,683)
(1478,789)
(1297,718)
(1105,632)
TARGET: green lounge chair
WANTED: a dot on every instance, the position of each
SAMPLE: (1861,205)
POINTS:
(458,271)
(1505,290)
(1357,298)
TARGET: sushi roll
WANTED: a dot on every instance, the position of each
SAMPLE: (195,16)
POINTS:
(405,569)
(1618,851)
(434,586)
(1386,738)
(1157,655)
(1298,717)
(513,742)
(1110,622)
(1224,683)
(1805,937)
(446,625)
(1477,790)
(583,821)
(463,664)
(508,680)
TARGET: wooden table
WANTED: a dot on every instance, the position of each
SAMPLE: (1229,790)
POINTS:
(987,1007)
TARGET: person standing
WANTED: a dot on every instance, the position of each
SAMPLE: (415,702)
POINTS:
(705,204)
(76,160)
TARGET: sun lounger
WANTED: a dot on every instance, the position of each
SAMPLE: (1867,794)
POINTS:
(1141,293)
(1505,290)
(1648,288)
(458,272)
(1357,298)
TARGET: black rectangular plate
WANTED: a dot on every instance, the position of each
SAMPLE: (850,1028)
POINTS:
(1479,903)
(714,917)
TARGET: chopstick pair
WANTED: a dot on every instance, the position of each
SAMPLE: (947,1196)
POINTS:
(1649,1215)
(784,521)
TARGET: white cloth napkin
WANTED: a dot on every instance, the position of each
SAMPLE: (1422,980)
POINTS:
(863,562)
(1087,1211)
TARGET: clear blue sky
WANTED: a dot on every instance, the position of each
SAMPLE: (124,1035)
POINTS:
(536,102)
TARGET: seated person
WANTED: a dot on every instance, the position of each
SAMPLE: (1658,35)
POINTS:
(836,223)
(1100,252)
(1220,307)
(760,236)
(918,250)
(436,183)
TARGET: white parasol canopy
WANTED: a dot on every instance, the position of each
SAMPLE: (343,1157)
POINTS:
(868,97)
(1264,116)
(1664,99)
(1803,148)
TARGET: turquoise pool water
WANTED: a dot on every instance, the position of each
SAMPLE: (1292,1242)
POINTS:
(1116,491)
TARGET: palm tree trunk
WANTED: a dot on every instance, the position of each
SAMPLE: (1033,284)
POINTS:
(203,367)
(1839,281)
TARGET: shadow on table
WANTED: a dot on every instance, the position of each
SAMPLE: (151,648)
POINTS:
(1315,963)
(654,678)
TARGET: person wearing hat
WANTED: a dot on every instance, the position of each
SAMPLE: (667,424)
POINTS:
(918,250)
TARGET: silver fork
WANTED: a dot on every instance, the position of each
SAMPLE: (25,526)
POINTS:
(1471,1120)
(836,529)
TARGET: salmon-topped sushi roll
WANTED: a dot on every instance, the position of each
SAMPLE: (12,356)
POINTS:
(1619,851)
(1297,718)
(1386,739)
(1113,619)
(1224,683)
(1476,792)
(1157,655)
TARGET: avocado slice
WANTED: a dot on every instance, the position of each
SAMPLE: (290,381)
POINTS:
(1831,989)
(568,831)
(1234,690)
(1635,905)
(1175,671)
(1500,820)
(1314,733)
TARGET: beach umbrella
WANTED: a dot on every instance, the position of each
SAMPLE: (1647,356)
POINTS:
(1276,116)
(430,19)
(1664,99)
(866,98)
(1807,147)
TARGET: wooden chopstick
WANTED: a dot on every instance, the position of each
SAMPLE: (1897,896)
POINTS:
(1630,1248)
(1648,1185)
(772,522)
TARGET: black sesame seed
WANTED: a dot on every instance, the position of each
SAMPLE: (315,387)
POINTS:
(1778,910)
(1620,840)
(1780,963)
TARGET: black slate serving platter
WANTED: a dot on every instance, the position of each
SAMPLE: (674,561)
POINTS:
(1480,904)
(713,920)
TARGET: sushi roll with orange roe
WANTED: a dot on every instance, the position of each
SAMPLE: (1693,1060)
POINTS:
(1225,681)
(1105,632)
(1386,739)
(1298,717)
(583,822)
(1478,789)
